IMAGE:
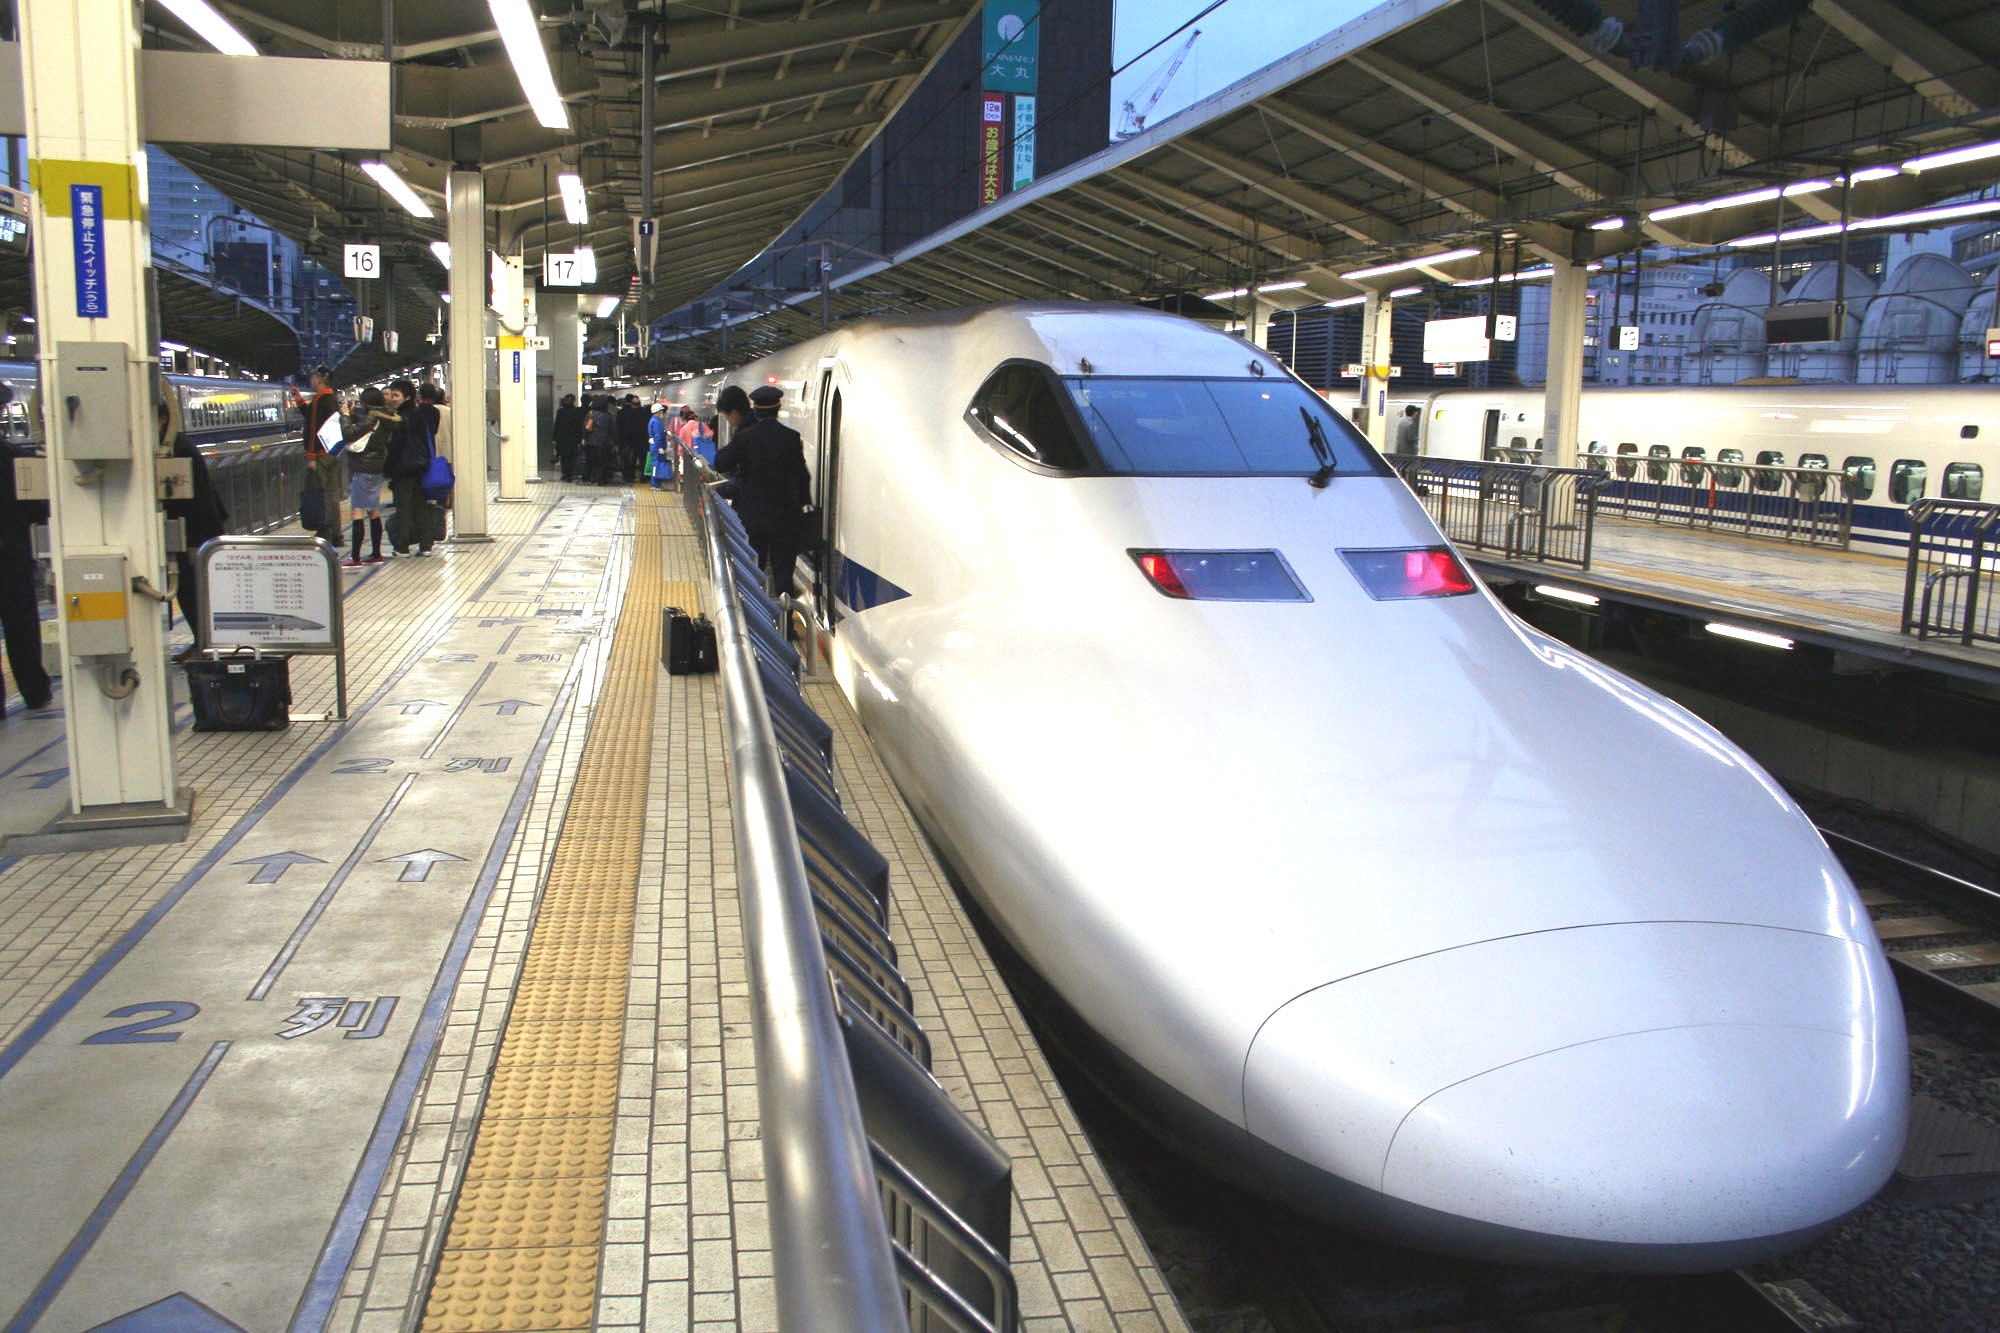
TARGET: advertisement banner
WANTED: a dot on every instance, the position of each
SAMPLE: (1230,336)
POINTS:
(1024,140)
(1013,40)
(992,128)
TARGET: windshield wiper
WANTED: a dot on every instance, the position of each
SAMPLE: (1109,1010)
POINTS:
(1321,450)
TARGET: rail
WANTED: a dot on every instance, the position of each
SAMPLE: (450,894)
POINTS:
(258,481)
(1806,505)
(1952,554)
(889,1209)
(1544,514)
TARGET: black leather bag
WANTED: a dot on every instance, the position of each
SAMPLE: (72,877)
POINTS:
(240,693)
(312,508)
(677,641)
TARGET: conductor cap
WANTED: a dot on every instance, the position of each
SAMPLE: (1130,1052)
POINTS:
(766,395)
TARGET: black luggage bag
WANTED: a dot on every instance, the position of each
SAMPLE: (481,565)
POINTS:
(244,692)
(687,643)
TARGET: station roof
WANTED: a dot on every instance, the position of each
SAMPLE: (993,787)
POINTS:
(1428,126)
(759,106)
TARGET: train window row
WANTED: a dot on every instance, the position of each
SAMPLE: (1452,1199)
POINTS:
(1909,478)
(222,408)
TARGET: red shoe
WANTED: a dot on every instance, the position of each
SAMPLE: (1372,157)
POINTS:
(375,559)
(350,563)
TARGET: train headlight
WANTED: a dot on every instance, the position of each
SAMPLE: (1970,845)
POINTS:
(1403,572)
(1221,576)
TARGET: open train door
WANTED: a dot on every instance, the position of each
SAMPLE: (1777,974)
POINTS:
(1489,436)
(826,495)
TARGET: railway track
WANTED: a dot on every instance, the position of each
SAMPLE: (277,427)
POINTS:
(1942,932)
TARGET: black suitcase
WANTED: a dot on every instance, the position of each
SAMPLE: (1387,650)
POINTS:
(677,642)
(245,692)
(705,659)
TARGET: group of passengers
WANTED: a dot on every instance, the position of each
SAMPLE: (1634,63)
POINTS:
(390,435)
(603,439)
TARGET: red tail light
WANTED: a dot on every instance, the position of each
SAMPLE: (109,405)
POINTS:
(1395,574)
(1160,570)
(1222,576)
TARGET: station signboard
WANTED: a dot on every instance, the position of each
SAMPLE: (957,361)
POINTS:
(1449,340)
(361,261)
(992,132)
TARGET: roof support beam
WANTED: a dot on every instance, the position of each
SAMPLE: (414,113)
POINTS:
(1047,255)
(1469,201)
(1315,204)
(1948,77)
(682,107)
(712,46)
(1155,243)
(1232,223)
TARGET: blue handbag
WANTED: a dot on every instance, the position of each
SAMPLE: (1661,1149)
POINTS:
(438,476)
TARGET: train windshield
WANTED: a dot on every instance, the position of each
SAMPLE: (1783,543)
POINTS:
(1233,428)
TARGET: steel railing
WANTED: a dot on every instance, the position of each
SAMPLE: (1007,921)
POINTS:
(1952,553)
(1522,512)
(258,482)
(1810,506)
(889,1209)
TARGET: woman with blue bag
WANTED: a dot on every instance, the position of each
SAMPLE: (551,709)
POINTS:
(409,462)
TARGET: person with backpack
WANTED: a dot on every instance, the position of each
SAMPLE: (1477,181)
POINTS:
(407,459)
(599,443)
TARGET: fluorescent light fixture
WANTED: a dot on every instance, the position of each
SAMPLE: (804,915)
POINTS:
(1525,275)
(1401,292)
(1570,595)
(1607,224)
(1294,285)
(574,207)
(1229,295)
(166,346)
(1345,300)
(1917,218)
(607,305)
(210,26)
(586,265)
(523,38)
(1442,257)
(441,251)
(397,188)
(1756,636)
(1867,174)
(1977,153)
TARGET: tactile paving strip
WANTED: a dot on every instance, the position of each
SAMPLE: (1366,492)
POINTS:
(523,1250)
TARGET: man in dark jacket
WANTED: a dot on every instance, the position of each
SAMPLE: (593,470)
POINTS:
(325,467)
(409,455)
(569,436)
(203,519)
(768,460)
(20,615)
(599,443)
(632,441)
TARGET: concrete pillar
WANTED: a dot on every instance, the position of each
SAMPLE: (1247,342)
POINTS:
(516,367)
(466,229)
(1377,313)
(555,319)
(80,69)
(1564,393)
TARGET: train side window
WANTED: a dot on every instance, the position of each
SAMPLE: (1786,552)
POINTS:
(1729,476)
(1770,481)
(1963,481)
(1594,457)
(1657,471)
(1693,476)
(1626,470)
(1968,432)
(1814,460)
(1907,478)
(1019,408)
(1860,476)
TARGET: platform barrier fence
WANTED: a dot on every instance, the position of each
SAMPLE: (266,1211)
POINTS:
(258,482)
(889,1208)
(1808,506)
(1521,512)
(1954,548)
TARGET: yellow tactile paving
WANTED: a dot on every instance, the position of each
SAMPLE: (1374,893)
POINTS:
(682,593)
(523,1250)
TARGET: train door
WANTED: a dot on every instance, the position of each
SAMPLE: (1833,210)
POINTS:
(1489,436)
(826,558)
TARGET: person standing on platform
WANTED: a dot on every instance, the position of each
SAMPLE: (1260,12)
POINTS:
(408,456)
(1406,430)
(599,442)
(632,437)
(660,462)
(321,407)
(436,415)
(20,614)
(732,406)
(569,436)
(203,519)
(368,433)
(768,460)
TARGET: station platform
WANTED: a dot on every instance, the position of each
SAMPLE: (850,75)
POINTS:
(439,1017)
(1847,600)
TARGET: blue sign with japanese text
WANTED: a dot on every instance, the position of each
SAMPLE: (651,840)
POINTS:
(86,215)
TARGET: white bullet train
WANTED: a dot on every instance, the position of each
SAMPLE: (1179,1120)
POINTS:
(1897,443)
(1389,905)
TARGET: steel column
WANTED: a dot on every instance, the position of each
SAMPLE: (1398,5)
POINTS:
(466,204)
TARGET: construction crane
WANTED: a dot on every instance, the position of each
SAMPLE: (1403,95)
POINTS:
(1141,103)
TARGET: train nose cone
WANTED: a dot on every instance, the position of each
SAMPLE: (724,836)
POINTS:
(1648,1095)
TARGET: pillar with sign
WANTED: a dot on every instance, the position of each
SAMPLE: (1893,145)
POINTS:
(79,66)
(556,322)
(516,369)
(466,206)
(1562,400)
(1377,316)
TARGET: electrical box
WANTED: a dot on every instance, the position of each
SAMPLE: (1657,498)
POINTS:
(173,478)
(95,589)
(31,479)
(93,414)
(1804,322)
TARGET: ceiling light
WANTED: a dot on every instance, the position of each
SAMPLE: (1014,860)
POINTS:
(1743,635)
(1976,153)
(1607,224)
(1401,292)
(397,188)
(1345,300)
(1867,174)
(523,38)
(1772,238)
(607,305)
(1923,215)
(574,207)
(1442,257)
(1282,286)
(1764,196)
(210,26)
(442,251)
(1525,275)
(1229,295)
(586,265)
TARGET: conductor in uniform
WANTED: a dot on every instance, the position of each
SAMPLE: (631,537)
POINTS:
(768,460)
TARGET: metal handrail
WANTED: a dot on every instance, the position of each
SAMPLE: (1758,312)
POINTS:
(834,1266)
(1809,505)
(1522,511)
(1952,544)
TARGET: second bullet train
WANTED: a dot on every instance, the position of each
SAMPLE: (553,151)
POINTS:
(1380,900)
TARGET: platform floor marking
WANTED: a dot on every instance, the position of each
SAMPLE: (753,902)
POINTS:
(235,1207)
(526,1234)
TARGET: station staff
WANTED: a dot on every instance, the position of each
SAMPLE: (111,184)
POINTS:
(773,487)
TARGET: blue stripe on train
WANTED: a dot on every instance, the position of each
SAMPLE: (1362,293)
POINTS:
(858,588)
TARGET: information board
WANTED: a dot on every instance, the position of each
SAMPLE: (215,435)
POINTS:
(274,598)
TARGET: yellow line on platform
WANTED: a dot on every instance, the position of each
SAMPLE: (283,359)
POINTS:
(526,1234)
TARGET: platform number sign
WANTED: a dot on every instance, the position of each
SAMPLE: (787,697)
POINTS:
(361,261)
(1628,337)
(562,270)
